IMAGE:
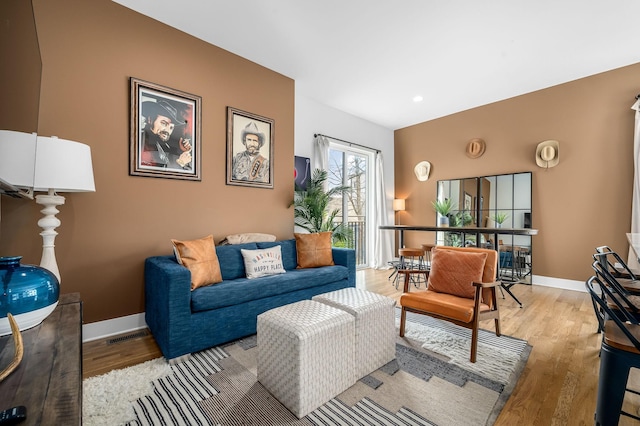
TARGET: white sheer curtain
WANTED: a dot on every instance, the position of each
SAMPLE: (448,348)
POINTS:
(321,151)
(632,261)
(383,244)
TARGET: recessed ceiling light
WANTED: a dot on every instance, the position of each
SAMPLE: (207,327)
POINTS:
(417,98)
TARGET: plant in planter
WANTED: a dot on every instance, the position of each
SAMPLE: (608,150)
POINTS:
(443,208)
(311,207)
(452,239)
(460,219)
(499,218)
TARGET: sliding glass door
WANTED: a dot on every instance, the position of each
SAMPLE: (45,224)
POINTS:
(351,167)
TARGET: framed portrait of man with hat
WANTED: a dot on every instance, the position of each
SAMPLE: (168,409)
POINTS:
(165,132)
(250,145)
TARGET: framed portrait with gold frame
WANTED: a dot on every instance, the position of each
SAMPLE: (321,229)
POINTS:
(250,147)
(165,132)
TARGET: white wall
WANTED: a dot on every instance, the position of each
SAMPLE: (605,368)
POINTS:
(312,117)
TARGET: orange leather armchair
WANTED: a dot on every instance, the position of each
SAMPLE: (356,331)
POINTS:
(461,289)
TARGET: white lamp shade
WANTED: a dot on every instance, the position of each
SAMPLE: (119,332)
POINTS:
(63,166)
(398,205)
(17,158)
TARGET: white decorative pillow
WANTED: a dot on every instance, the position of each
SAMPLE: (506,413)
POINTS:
(259,263)
(248,237)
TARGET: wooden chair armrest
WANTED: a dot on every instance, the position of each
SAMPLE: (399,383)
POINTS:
(478,296)
(488,285)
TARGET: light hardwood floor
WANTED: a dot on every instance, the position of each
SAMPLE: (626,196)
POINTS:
(557,387)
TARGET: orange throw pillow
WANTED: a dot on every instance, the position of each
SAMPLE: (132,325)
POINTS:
(199,256)
(453,272)
(314,250)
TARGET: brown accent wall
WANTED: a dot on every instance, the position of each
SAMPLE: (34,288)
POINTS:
(20,70)
(582,203)
(89,51)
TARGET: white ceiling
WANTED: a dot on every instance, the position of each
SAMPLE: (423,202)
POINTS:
(371,57)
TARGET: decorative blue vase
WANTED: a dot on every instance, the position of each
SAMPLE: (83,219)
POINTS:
(28,292)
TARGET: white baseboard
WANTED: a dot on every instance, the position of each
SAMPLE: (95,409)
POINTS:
(102,329)
(559,283)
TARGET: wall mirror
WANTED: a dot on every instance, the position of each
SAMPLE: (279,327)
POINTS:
(20,82)
(20,85)
(497,201)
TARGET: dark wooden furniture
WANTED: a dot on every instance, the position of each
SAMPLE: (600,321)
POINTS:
(447,301)
(471,230)
(48,381)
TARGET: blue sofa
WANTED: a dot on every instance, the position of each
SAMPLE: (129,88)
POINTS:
(184,321)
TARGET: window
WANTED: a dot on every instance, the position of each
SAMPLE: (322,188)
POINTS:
(352,167)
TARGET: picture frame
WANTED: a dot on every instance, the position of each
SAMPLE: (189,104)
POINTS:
(467,202)
(250,148)
(165,132)
(301,173)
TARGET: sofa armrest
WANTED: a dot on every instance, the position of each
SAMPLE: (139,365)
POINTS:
(168,304)
(346,257)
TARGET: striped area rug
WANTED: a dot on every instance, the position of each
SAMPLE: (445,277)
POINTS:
(175,398)
(212,388)
(422,386)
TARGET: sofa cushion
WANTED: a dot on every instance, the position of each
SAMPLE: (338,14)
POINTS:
(199,256)
(240,290)
(454,272)
(287,250)
(314,250)
(263,262)
(231,260)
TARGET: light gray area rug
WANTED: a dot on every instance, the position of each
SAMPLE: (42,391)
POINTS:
(431,382)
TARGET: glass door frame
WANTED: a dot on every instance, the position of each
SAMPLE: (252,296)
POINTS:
(369,155)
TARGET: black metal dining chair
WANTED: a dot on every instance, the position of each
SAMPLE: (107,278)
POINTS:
(617,295)
(619,352)
(612,262)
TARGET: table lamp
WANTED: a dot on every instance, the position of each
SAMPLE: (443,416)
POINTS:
(31,163)
(398,205)
(17,161)
(60,166)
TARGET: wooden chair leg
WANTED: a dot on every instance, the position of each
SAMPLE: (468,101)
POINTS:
(474,344)
(403,318)
(497,322)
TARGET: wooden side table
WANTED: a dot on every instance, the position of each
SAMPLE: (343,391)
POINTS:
(48,381)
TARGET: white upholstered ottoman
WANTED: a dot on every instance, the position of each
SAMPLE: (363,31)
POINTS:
(375,325)
(306,354)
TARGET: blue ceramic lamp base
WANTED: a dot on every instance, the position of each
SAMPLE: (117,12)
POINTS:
(26,320)
(28,292)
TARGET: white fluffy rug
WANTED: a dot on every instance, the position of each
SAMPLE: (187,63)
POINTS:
(107,399)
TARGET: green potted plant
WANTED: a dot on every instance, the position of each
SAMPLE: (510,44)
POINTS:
(499,218)
(460,219)
(311,207)
(443,208)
